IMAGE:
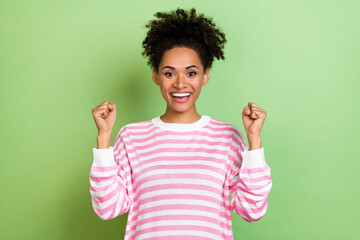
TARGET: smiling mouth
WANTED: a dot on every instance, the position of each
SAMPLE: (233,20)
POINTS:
(180,97)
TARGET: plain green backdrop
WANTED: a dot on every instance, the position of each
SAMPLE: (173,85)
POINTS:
(298,60)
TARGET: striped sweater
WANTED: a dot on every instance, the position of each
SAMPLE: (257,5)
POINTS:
(175,179)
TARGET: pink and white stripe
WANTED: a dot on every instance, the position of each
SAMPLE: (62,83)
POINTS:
(176,184)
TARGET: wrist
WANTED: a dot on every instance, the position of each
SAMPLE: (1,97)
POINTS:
(104,134)
(103,141)
(254,142)
(253,135)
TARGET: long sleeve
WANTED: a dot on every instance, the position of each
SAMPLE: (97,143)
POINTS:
(249,179)
(108,181)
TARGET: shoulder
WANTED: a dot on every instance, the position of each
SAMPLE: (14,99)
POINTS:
(136,127)
(237,138)
(226,126)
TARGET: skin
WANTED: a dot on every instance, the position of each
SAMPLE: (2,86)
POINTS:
(253,118)
(180,70)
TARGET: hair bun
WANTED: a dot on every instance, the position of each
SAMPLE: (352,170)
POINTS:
(183,28)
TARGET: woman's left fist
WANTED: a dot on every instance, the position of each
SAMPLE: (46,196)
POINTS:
(253,119)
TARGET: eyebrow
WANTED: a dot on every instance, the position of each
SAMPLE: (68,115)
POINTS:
(185,68)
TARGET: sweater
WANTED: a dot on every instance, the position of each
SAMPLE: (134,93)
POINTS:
(174,179)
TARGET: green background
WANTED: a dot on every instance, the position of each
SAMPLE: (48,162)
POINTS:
(298,60)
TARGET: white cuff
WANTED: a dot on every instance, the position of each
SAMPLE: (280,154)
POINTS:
(253,158)
(104,157)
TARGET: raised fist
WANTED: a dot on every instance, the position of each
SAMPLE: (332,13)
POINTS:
(104,116)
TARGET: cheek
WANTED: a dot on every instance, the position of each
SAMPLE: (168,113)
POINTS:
(164,90)
(197,85)
(164,93)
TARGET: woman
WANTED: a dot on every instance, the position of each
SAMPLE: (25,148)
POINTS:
(174,174)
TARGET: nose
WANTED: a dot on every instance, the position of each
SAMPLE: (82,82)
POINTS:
(180,81)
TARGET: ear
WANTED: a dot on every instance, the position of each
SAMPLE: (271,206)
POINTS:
(155,77)
(206,76)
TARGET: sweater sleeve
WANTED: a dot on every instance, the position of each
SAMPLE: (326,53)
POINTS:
(249,179)
(108,180)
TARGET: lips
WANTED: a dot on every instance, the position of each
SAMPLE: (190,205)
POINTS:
(180,97)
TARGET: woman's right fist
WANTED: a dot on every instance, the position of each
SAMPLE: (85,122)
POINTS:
(104,116)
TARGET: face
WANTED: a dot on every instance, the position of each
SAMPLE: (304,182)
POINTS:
(180,77)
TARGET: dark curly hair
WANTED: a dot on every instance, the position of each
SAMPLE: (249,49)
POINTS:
(181,28)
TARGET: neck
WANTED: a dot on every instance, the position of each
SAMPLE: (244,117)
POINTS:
(180,117)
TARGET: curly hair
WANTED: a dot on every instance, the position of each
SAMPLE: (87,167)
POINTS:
(182,28)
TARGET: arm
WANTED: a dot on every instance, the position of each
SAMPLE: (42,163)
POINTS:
(108,182)
(249,179)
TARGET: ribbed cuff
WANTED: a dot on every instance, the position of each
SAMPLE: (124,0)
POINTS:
(104,157)
(253,158)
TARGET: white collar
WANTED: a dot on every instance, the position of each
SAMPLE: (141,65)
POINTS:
(181,126)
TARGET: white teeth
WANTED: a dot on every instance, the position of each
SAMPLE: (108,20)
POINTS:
(181,94)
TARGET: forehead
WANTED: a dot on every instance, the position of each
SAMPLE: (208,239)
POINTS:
(180,57)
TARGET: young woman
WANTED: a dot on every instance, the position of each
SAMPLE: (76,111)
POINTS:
(174,174)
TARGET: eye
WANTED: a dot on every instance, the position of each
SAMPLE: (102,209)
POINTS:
(192,74)
(168,74)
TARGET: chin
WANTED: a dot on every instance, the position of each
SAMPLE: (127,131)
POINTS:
(180,110)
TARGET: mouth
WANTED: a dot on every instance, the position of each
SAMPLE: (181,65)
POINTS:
(180,97)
